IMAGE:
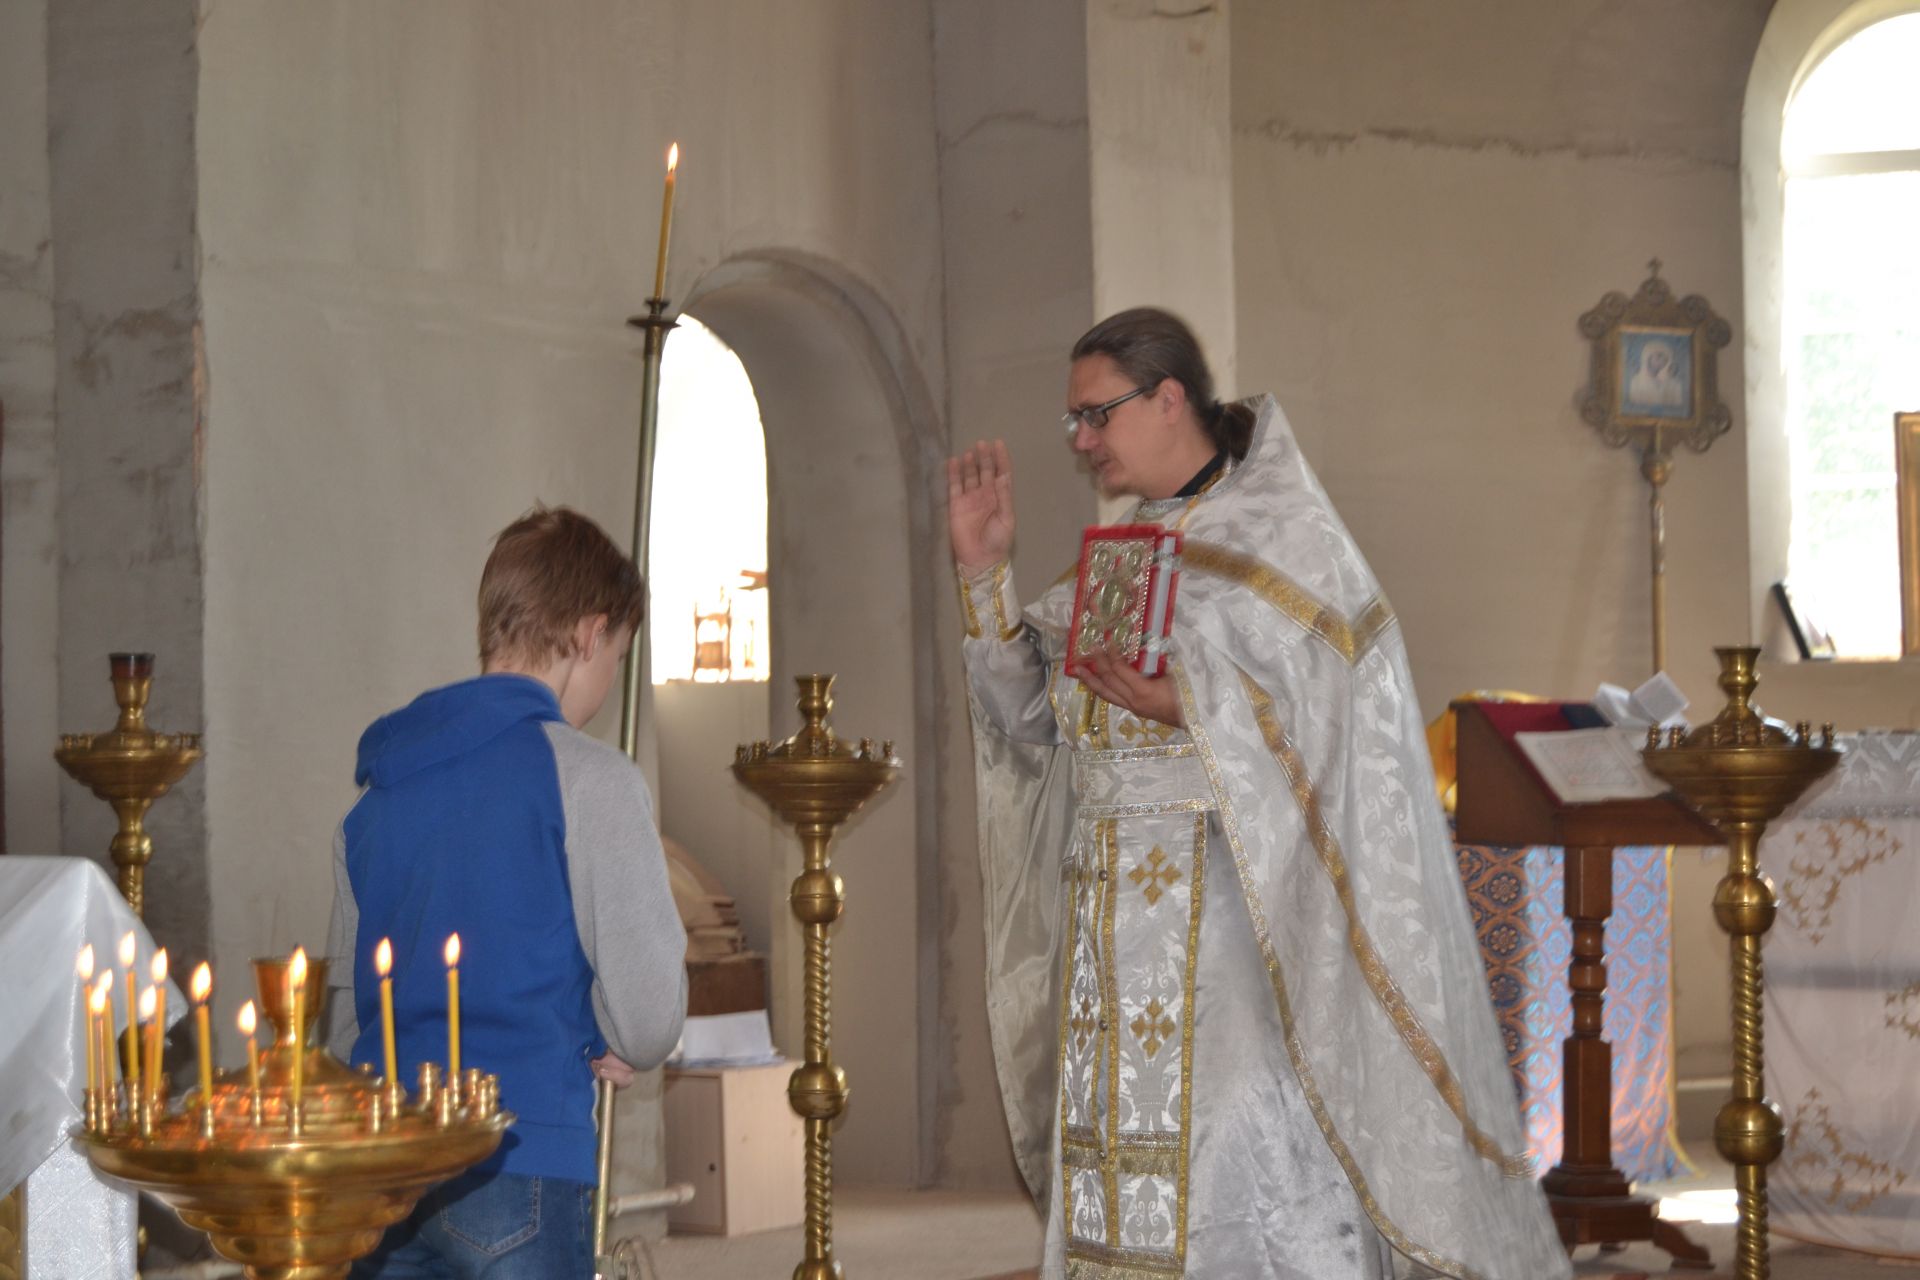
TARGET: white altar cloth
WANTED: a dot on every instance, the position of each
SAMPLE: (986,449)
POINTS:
(78,1226)
(1843,1002)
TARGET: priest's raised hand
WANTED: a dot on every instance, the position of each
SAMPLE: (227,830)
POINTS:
(980,507)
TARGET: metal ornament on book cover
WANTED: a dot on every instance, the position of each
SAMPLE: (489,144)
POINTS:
(1124,595)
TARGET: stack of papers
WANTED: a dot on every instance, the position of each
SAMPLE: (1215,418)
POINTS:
(726,1040)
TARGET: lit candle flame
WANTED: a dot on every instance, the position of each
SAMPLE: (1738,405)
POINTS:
(673,157)
(383,957)
(146,1005)
(126,950)
(159,966)
(106,982)
(202,982)
(297,970)
(85,964)
(97,1001)
(453,949)
(248,1019)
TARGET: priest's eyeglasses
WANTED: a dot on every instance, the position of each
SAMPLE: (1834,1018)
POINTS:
(1095,415)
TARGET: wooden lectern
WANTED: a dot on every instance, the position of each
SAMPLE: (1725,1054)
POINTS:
(1501,801)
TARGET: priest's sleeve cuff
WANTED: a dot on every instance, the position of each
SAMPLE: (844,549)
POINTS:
(988,604)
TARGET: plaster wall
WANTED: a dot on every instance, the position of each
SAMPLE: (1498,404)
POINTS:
(1010,89)
(1417,235)
(424,227)
(29,510)
(121,78)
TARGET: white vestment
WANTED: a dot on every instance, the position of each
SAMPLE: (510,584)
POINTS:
(1238,1009)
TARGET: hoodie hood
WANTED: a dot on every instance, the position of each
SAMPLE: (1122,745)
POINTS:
(444,724)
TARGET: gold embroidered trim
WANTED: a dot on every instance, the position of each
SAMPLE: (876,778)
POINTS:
(1196,889)
(1153,876)
(1348,639)
(1366,954)
(1195,804)
(1115,1262)
(1060,1073)
(1296,1053)
(1110,1010)
(1122,755)
(1130,1156)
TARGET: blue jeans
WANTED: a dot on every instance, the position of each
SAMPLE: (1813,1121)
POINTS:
(500,1226)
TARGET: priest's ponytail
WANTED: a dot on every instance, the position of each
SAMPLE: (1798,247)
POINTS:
(1151,345)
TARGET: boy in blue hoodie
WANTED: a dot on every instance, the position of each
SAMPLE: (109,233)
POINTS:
(487,812)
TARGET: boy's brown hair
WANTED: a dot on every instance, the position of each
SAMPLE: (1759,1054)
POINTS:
(549,569)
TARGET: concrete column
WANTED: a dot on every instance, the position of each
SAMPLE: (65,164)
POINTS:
(1160,122)
(1011,109)
(29,573)
(122,79)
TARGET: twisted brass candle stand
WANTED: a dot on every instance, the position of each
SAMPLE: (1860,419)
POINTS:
(815,782)
(1740,771)
(130,766)
(296,1190)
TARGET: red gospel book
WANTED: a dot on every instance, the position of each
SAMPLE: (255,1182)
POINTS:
(1124,593)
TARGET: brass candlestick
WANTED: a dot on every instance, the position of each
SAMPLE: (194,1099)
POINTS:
(130,766)
(1740,771)
(296,1191)
(816,782)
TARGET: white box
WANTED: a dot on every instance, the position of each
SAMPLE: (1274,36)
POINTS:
(732,1136)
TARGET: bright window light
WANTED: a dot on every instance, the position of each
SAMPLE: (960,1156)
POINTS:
(707,550)
(1852,329)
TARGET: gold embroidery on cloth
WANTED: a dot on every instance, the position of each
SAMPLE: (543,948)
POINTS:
(1350,640)
(1296,1053)
(1425,1049)
(972,615)
(1008,629)
(1816,1152)
(1823,857)
(1100,1149)
(1148,733)
(1151,875)
(1905,1019)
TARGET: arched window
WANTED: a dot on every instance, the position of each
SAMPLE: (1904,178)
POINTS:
(707,550)
(1850,326)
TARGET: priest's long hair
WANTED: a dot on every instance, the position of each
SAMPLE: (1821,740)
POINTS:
(1149,345)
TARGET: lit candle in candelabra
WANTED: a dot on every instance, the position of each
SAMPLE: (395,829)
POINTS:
(158,968)
(453,1008)
(297,980)
(202,988)
(247,1023)
(666,223)
(100,1044)
(103,992)
(84,966)
(383,963)
(151,1025)
(133,1023)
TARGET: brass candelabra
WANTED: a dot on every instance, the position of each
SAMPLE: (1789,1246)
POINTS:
(1740,771)
(815,782)
(130,766)
(294,1172)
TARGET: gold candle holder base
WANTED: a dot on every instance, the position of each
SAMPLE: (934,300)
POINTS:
(293,1201)
(130,766)
(815,782)
(1740,771)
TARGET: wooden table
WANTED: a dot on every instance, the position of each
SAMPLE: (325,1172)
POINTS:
(1501,801)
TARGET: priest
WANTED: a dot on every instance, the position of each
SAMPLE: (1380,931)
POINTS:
(1237,1008)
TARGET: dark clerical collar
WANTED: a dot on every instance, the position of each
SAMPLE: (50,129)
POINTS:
(1203,475)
